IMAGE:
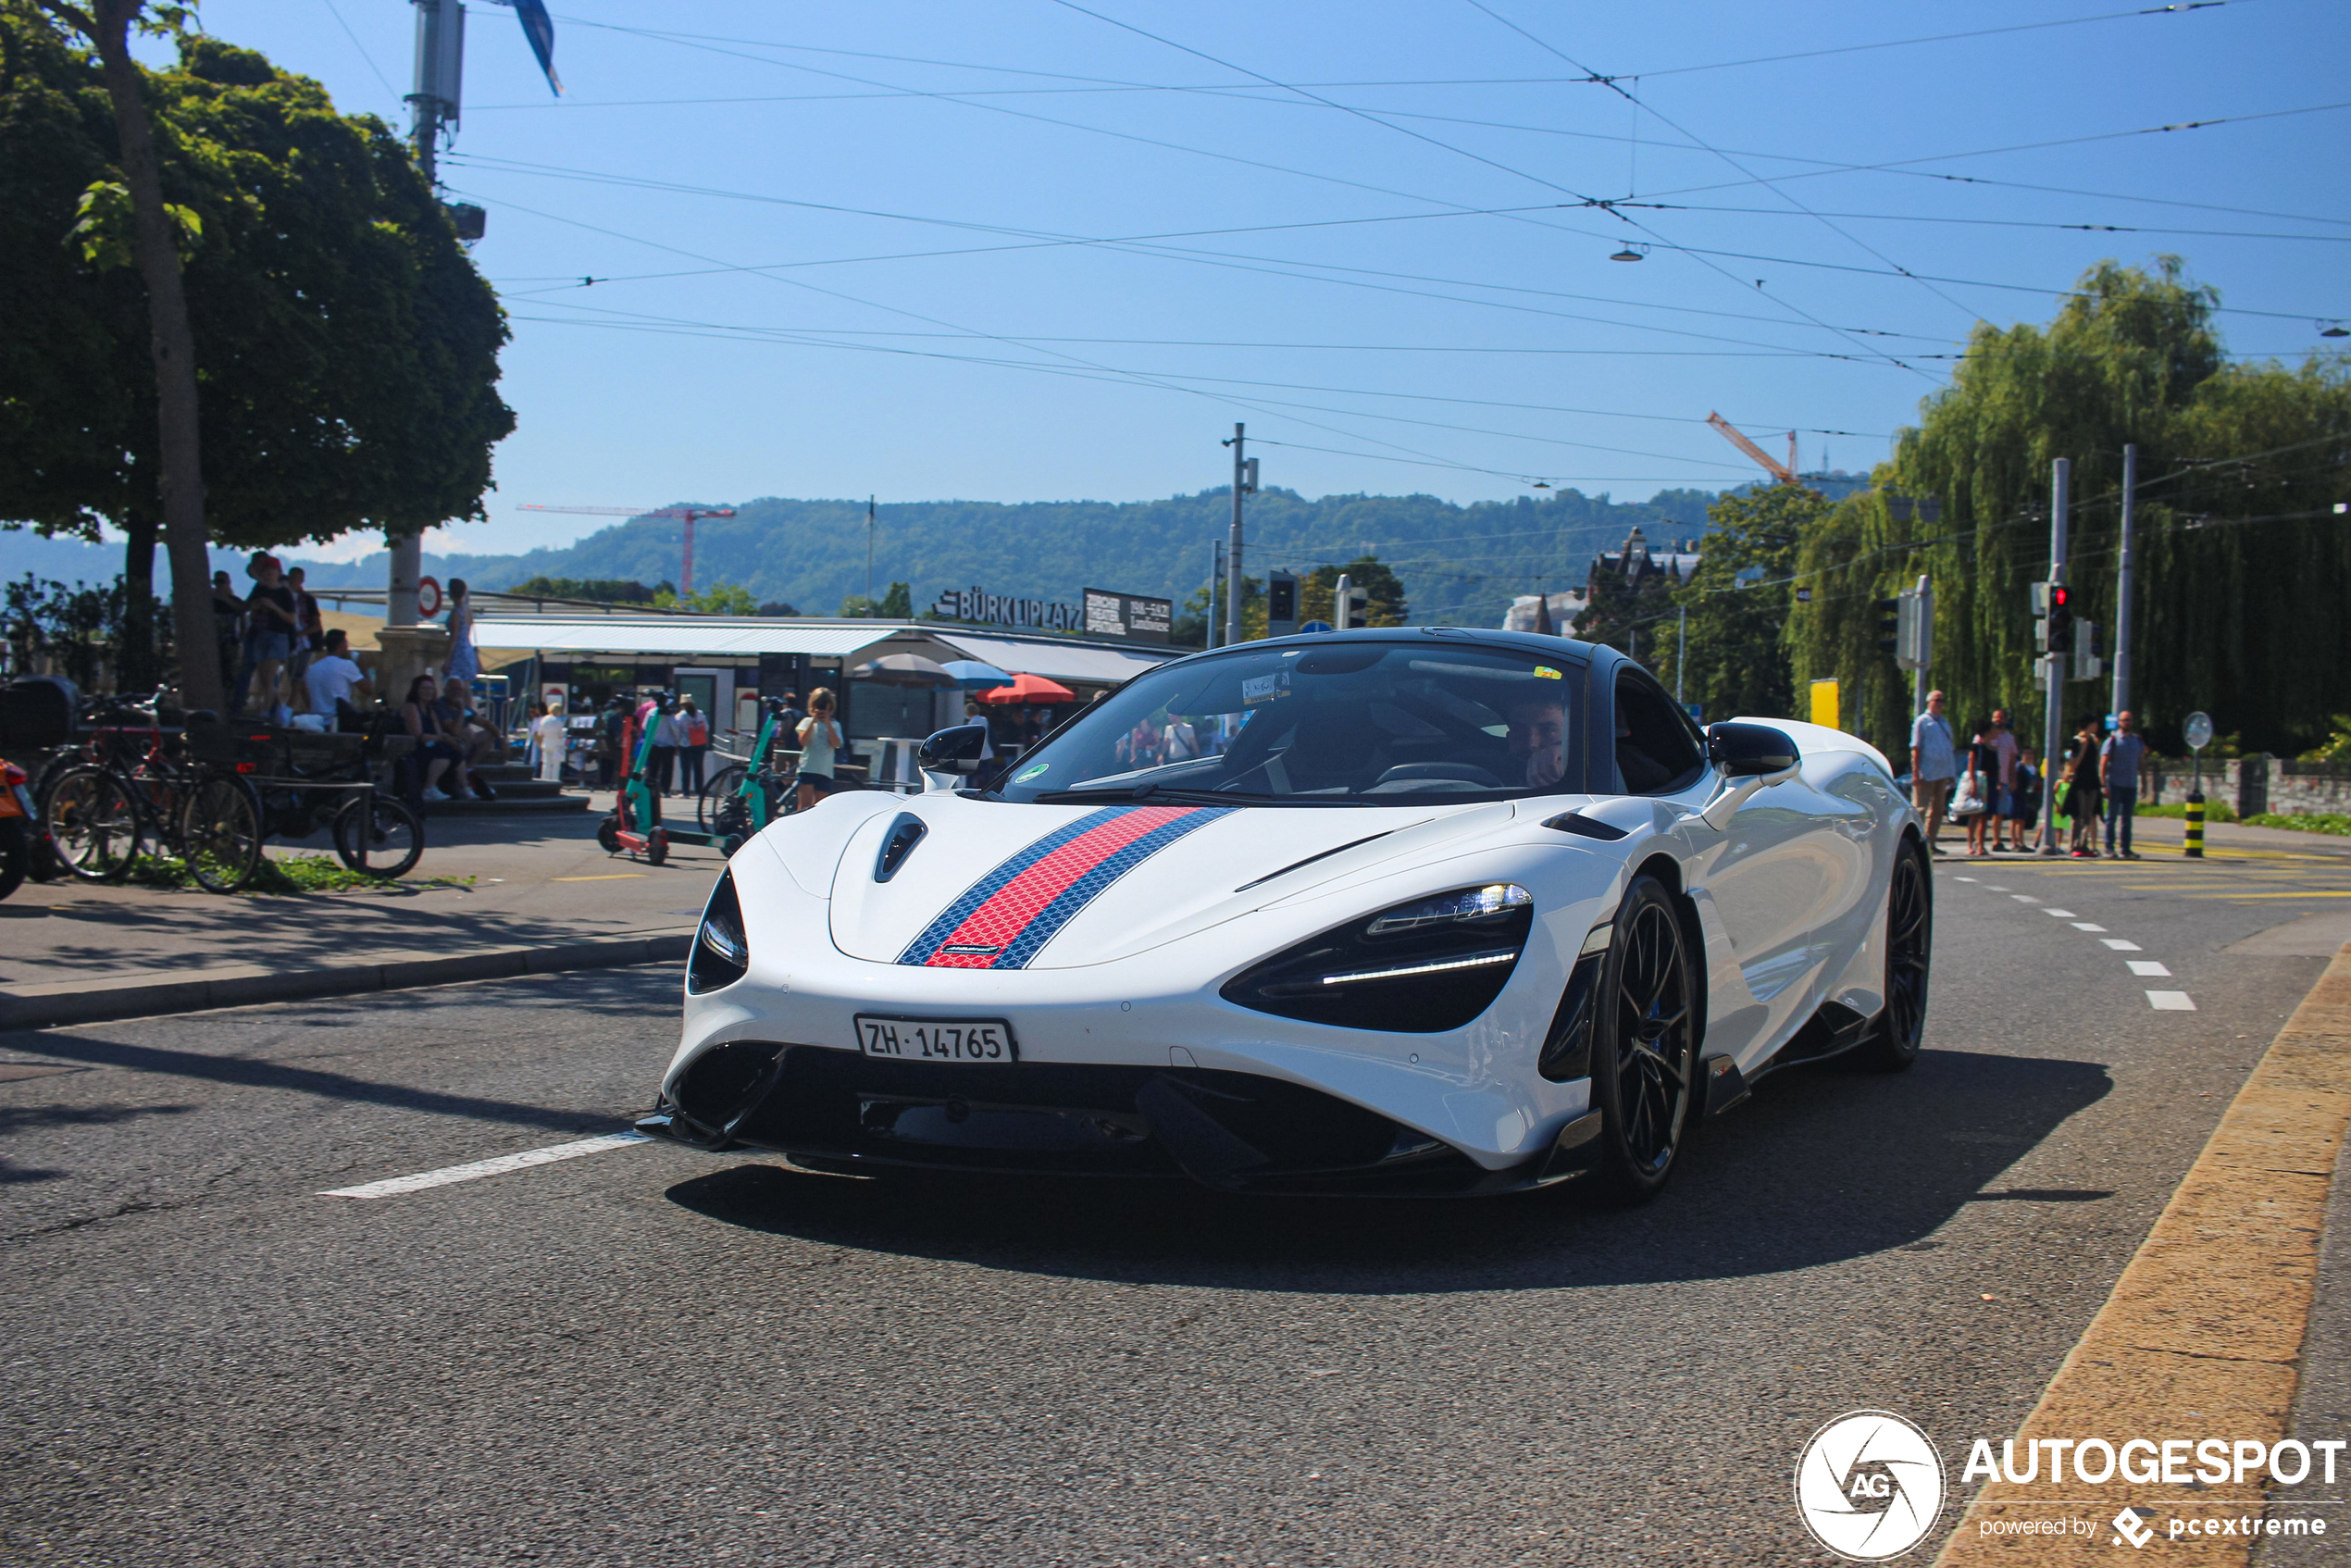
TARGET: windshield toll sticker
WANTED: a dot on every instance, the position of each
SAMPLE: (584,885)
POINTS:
(1025,774)
(1007,916)
(1256,688)
(1545,672)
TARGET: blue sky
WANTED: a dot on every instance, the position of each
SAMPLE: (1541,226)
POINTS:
(834,244)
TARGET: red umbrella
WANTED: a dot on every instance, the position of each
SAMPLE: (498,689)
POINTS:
(1030,688)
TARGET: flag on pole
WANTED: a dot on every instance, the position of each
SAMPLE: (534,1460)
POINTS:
(539,28)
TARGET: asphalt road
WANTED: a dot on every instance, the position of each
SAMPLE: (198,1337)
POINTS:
(648,1355)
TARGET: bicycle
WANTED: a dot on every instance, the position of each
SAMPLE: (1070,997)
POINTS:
(127,796)
(300,779)
(746,797)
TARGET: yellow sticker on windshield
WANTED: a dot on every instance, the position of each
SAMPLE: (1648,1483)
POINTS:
(1545,672)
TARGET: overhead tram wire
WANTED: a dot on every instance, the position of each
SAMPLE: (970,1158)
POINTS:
(1524,216)
(1997,222)
(1274,266)
(1446,146)
(1946,37)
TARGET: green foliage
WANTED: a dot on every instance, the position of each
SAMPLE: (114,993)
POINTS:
(2336,747)
(898,603)
(2177,811)
(2239,611)
(346,346)
(604,591)
(78,630)
(1738,602)
(2314,822)
(293,874)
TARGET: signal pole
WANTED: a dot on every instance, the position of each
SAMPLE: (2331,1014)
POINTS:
(1233,545)
(2053,665)
(2122,573)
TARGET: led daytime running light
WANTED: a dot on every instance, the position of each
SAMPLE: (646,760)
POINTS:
(1407,971)
(725,942)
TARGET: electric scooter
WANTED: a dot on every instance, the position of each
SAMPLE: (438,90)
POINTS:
(757,801)
(635,823)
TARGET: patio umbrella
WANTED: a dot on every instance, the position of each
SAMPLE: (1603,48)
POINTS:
(975,676)
(903,669)
(1030,688)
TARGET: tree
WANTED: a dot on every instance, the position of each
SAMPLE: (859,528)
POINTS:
(898,603)
(2242,567)
(1318,593)
(605,590)
(1737,603)
(347,348)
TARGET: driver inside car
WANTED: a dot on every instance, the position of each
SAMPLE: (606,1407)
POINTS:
(1538,737)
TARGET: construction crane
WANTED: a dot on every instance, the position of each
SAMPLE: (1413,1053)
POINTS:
(684,514)
(1784,472)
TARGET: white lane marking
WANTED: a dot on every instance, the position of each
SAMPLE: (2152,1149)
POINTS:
(2087,926)
(2024,898)
(1962,879)
(499,1166)
(2145,966)
(2060,913)
(1990,889)
(2119,945)
(2170,1002)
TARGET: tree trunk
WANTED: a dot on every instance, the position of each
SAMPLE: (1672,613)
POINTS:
(135,662)
(157,249)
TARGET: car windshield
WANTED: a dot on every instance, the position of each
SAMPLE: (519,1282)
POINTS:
(1343,724)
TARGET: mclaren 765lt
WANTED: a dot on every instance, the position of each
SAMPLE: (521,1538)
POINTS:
(1417,911)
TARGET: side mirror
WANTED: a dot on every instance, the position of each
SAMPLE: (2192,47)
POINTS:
(953,751)
(1746,750)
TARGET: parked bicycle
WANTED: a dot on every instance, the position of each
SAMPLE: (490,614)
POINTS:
(300,780)
(746,796)
(130,791)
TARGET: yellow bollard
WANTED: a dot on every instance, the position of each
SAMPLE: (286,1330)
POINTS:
(2196,826)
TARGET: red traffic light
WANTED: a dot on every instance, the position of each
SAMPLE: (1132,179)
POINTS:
(2059,595)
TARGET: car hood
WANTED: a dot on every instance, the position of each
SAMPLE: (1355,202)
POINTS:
(998,886)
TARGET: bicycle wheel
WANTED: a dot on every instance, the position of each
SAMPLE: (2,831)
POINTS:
(720,789)
(92,822)
(221,834)
(390,843)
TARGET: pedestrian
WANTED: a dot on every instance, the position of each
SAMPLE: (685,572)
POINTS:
(973,714)
(2026,798)
(552,736)
(471,733)
(819,740)
(1974,801)
(668,741)
(310,629)
(269,629)
(696,728)
(1932,766)
(2081,805)
(2004,783)
(228,623)
(332,679)
(465,659)
(434,752)
(2118,779)
(612,742)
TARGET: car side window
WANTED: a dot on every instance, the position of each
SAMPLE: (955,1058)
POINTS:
(1656,753)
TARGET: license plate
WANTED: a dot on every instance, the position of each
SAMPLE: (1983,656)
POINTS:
(936,1040)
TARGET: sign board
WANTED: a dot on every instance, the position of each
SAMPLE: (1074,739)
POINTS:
(1131,616)
(2199,731)
(1824,710)
(1004,609)
(1315,626)
(556,695)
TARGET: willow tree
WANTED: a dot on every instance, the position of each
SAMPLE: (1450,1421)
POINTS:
(2242,567)
(1737,604)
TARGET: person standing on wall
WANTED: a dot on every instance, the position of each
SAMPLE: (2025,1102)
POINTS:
(465,660)
(310,629)
(1933,766)
(2118,779)
(269,629)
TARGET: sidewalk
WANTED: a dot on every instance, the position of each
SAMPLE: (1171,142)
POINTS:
(544,897)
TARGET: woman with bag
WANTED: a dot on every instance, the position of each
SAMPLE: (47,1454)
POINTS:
(694,745)
(2083,805)
(1972,800)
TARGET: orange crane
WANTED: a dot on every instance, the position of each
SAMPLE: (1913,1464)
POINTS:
(1784,472)
(685,514)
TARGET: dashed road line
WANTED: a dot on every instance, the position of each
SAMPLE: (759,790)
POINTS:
(2119,945)
(393,1185)
(2170,1002)
(2087,926)
(2145,966)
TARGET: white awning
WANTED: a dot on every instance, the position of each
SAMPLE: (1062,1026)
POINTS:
(1056,660)
(716,637)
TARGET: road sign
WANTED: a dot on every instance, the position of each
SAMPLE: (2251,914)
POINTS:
(1315,626)
(2199,731)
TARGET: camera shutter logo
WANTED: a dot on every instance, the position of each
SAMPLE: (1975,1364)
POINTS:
(1869,1485)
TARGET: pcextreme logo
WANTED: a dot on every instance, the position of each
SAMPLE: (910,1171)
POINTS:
(1869,1485)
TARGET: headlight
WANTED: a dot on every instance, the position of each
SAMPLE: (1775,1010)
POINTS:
(722,954)
(1418,968)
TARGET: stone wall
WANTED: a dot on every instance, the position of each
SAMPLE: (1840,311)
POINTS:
(2253,784)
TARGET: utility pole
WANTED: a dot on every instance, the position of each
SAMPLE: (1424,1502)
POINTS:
(2053,663)
(1233,543)
(441,58)
(2123,572)
(1215,573)
(869,555)
(1681,653)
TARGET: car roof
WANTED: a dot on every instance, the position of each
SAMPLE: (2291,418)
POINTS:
(1564,648)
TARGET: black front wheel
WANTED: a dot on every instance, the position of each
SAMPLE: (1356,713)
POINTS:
(220,833)
(93,823)
(1645,1045)
(715,795)
(379,837)
(1909,940)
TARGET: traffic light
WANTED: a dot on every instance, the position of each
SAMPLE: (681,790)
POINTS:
(2087,665)
(1889,625)
(2052,628)
(1281,603)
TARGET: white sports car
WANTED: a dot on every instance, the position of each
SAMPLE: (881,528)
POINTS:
(1417,911)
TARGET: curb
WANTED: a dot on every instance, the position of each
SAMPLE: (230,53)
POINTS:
(2205,1329)
(99,1001)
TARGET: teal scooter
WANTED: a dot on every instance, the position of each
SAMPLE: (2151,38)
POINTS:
(759,799)
(634,826)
